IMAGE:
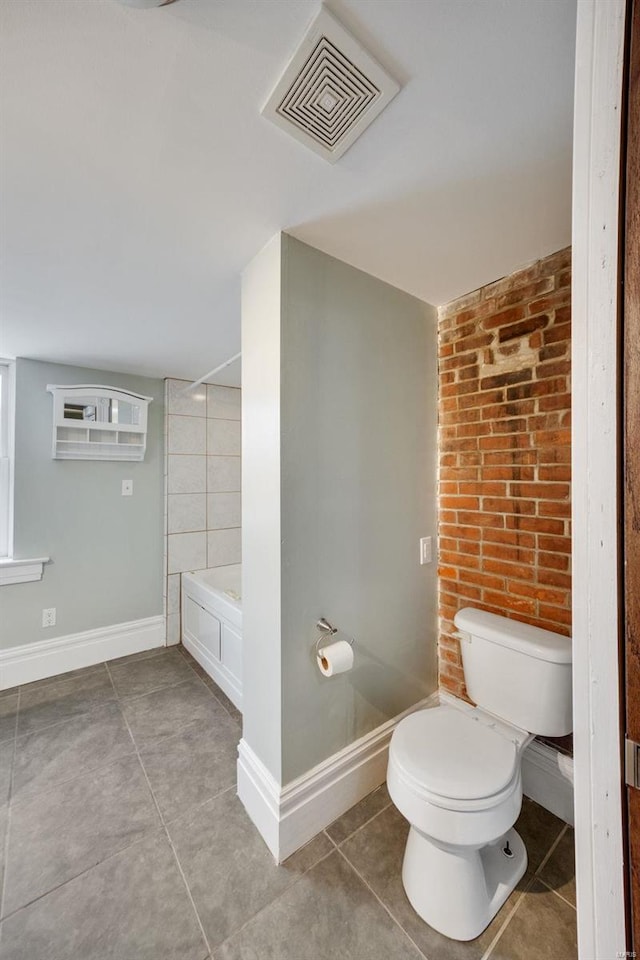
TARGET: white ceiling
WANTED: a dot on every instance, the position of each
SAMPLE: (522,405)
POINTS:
(138,177)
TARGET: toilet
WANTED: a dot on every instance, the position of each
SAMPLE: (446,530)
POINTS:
(455,770)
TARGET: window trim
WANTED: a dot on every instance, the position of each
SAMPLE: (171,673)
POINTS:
(7,455)
(11,569)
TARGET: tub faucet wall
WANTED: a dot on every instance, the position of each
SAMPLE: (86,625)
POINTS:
(203,463)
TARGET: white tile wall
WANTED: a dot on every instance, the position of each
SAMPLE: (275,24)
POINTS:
(223,547)
(223,510)
(223,437)
(203,471)
(223,475)
(186,474)
(187,551)
(173,593)
(223,403)
(173,629)
(191,403)
(187,435)
(187,511)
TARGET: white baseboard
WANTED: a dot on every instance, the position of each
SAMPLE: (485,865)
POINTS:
(288,817)
(47,658)
(547,778)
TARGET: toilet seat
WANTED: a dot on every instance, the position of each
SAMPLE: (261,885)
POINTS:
(448,758)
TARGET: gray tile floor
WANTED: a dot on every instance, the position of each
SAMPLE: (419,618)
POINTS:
(121,838)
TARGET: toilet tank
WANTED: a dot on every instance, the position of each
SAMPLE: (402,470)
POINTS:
(517,672)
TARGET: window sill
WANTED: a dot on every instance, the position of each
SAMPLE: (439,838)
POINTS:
(21,571)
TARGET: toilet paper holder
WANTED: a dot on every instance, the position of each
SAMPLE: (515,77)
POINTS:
(326,631)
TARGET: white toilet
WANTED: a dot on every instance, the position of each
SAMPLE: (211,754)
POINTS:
(454,771)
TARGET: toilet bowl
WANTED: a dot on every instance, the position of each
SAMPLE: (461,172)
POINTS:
(455,771)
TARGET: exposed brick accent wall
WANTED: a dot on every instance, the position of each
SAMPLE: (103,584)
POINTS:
(505,449)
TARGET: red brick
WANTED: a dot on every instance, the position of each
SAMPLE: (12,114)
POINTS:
(506,446)
(479,399)
(536,524)
(510,570)
(506,379)
(557,333)
(459,503)
(558,401)
(553,561)
(503,318)
(479,519)
(510,536)
(524,327)
(555,614)
(560,471)
(506,602)
(508,505)
(538,491)
(556,544)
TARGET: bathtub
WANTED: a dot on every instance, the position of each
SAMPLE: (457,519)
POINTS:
(212,625)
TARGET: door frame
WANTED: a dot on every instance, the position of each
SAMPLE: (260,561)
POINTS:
(598,776)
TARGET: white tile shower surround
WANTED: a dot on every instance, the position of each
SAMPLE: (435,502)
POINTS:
(125,841)
(203,478)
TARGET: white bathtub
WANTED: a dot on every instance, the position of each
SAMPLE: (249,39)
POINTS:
(212,625)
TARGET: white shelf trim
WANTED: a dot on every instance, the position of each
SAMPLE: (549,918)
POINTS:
(21,571)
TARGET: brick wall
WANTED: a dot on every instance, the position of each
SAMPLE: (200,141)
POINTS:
(504,467)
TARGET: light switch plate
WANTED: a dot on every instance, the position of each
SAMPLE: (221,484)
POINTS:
(426,550)
(127,488)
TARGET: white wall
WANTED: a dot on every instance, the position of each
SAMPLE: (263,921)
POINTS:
(261,613)
(105,549)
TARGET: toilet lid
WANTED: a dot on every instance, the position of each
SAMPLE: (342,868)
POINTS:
(450,754)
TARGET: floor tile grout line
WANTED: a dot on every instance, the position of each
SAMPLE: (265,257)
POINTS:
(362,825)
(147,693)
(166,832)
(161,827)
(507,919)
(45,682)
(203,681)
(279,895)
(195,807)
(551,851)
(93,866)
(557,893)
(188,889)
(128,846)
(62,783)
(335,845)
(534,877)
(5,844)
(58,723)
(382,903)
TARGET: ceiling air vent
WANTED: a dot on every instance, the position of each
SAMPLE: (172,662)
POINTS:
(331,91)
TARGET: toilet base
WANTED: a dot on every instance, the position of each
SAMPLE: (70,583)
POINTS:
(458,890)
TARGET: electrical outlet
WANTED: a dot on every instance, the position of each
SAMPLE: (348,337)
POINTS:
(426,550)
(49,617)
(127,488)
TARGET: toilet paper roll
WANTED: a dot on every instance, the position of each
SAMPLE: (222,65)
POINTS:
(335,658)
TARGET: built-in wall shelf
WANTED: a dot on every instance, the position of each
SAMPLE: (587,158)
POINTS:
(92,422)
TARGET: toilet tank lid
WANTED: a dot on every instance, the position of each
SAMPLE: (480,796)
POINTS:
(532,641)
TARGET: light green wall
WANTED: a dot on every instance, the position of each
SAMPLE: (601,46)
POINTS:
(106,550)
(339,484)
(358,474)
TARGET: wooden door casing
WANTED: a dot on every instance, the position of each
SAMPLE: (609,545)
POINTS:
(631,367)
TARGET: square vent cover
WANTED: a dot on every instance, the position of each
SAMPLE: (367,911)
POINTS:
(331,91)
